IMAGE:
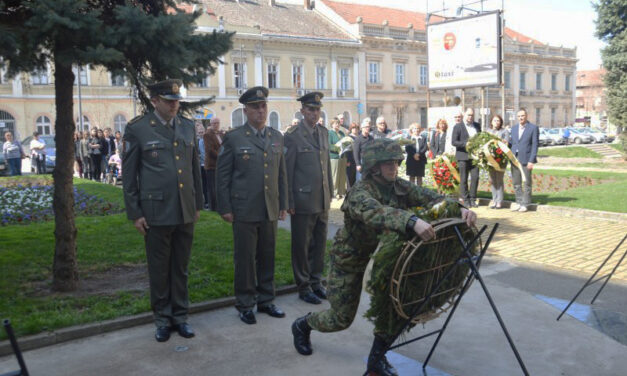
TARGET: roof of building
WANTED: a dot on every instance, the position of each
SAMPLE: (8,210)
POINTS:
(280,19)
(375,15)
(590,77)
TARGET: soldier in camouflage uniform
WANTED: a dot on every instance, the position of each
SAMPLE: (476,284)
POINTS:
(378,203)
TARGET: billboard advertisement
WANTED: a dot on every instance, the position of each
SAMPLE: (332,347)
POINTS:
(464,52)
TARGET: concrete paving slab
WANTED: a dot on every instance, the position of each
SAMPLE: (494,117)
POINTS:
(472,345)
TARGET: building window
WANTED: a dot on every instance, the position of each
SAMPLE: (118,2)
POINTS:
(347,119)
(538,81)
(565,117)
(297,76)
(86,123)
(238,118)
(203,81)
(567,82)
(423,116)
(554,81)
(553,117)
(538,117)
(298,115)
(344,78)
(523,83)
(274,120)
(119,122)
(117,80)
(373,72)
(508,80)
(423,75)
(373,113)
(7,123)
(321,74)
(43,125)
(39,77)
(400,117)
(3,79)
(272,76)
(239,75)
(399,70)
(84,75)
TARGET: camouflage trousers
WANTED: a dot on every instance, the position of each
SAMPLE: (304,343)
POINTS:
(343,291)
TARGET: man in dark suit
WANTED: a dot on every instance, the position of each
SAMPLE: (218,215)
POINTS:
(163,197)
(462,131)
(524,138)
(252,194)
(310,188)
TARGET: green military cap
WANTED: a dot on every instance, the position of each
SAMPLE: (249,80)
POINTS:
(168,89)
(254,95)
(381,150)
(311,99)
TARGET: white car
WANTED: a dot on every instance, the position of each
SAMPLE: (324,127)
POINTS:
(554,136)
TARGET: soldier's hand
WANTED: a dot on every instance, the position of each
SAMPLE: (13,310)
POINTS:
(228,217)
(282,215)
(424,230)
(197,216)
(141,225)
(291,211)
(417,156)
(469,216)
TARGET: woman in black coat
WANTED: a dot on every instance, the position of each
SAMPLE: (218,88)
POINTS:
(416,155)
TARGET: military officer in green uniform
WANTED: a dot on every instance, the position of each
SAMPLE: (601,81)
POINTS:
(252,194)
(375,204)
(163,197)
(310,188)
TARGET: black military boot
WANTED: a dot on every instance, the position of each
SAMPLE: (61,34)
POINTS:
(301,331)
(381,367)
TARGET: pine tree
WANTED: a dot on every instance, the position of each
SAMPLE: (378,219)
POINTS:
(148,40)
(612,28)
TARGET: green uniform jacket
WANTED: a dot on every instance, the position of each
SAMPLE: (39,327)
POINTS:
(161,171)
(250,175)
(308,169)
(371,208)
(334,137)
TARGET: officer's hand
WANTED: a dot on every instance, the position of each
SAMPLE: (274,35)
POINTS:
(197,216)
(291,211)
(282,215)
(228,217)
(141,225)
(529,166)
(417,156)
(358,168)
(424,230)
(469,216)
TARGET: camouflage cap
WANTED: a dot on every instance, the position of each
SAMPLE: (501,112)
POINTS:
(380,150)
(254,95)
(168,89)
(312,99)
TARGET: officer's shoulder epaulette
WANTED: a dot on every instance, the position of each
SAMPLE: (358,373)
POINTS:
(186,119)
(134,120)
(233,129)
(291,129)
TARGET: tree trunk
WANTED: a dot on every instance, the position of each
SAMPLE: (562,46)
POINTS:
(65,270)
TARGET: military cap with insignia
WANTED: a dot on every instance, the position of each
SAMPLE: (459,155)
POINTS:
(254,95)
(311,99)
(168,89)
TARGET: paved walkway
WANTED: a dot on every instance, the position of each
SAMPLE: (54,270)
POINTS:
(577,243)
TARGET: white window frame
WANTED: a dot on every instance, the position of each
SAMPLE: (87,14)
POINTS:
(399,73)
(43,125)
(507,78)
(567,83)
(241,75)
(86,122)
(553,116)
(554,81)
(85,72)
(538,116)
(321,77)
(523,80)
(244,118)
(373,72)
(301,73)
(278,118)
(275,66)
(345,78)
(116,122)
(36,76)
(112,76)
(538,80)
(424,74)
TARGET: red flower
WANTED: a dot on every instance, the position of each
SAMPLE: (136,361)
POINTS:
(499,151)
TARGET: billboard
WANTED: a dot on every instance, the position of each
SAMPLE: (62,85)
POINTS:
(464,52)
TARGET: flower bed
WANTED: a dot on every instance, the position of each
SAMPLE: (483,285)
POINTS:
(24,204)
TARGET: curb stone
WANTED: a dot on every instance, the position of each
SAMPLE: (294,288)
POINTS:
(87,330)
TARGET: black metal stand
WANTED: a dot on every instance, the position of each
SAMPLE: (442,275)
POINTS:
(474,262)
(591,280)
(16,349)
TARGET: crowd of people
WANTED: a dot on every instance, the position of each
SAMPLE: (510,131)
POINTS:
(96,152)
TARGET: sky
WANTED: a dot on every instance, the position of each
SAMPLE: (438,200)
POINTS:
(567,23)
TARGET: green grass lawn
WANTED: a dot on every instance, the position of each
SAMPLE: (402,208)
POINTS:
(103,243)
(569,152)
(618,147)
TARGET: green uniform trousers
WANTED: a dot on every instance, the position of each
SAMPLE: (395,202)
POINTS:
(254,247)
(338,172)
(309,240)
(167,252)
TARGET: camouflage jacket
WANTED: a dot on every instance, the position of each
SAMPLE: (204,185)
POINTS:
(371,208)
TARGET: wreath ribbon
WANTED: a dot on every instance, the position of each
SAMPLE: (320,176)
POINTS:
(513,159)
(452,169)
(488,155)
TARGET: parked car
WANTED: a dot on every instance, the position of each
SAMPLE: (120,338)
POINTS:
(598,136)
(578,137)
(543,139)
(4,166)
(554,136)
(51,151)
(608,137)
